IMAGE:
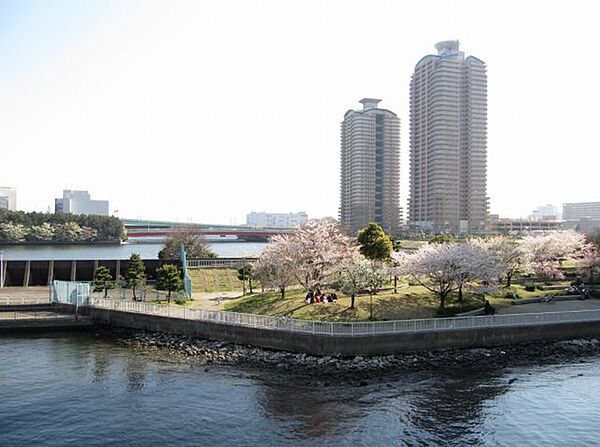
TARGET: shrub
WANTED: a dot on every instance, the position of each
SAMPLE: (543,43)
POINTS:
(511,295)
(530,287)
(578,281)
(540,287)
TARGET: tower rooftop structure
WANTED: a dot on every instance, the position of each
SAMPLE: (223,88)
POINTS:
(369,103)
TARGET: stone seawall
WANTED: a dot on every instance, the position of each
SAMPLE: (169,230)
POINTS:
(321,344)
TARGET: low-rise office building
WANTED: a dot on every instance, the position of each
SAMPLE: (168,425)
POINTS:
(80,202)
(8,198)
(276,220)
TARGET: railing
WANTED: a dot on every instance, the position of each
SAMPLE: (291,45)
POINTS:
(20,315)
(346,328)
(7,301)
(219,262)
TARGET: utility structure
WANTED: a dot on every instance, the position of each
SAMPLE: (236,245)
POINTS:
(370,168)
(448,142)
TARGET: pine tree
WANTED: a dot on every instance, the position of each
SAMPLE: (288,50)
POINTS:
(103,280)
(169,278)
(135,275)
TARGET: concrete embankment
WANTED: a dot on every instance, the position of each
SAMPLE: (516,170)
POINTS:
(375,344)
(330,366)
(39,318)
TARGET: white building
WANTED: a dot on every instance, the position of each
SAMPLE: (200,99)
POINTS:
(79,202)
(275,220)
(370,168)
(582,210)
(448,142)
(8,198)
(545,212)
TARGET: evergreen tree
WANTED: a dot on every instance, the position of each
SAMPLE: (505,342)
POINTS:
(103,280)
(374,243)
(136,273)
(169,278)
(245,274)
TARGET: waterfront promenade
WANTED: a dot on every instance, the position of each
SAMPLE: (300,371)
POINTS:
(512,325)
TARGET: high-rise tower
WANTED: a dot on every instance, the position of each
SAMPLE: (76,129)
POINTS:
(448,141)
(370,168)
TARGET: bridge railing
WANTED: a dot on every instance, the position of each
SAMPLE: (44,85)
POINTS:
(346,328)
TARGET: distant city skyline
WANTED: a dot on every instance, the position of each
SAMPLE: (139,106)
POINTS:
(204,111)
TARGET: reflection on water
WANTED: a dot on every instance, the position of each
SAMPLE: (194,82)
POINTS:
(74,389)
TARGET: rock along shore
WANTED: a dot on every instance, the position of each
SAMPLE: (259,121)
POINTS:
(232,354)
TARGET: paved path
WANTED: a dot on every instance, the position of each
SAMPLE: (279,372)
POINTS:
(24,295)
(212,300)
(556,306)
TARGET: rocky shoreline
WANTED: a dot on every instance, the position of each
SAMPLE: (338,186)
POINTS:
(211,352)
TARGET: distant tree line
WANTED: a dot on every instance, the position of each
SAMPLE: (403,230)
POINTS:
(18,226)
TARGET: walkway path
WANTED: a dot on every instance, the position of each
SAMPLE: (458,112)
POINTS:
(212,300)
(556,306)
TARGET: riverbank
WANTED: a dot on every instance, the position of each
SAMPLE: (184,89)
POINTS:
(231,354)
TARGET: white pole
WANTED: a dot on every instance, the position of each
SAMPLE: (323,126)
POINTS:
(1,269)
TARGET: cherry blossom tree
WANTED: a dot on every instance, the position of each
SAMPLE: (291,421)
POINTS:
(589,266)
(353,275)
(311,255)
(316,250)
(475,267)
(446,268)
(547,252)
(434,267)
(377,274)
(397,258)
(511,255)
(274,268)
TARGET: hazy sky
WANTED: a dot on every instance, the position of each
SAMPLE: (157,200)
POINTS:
(207,110)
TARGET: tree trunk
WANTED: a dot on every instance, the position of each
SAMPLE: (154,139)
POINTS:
(371,308)
(508,278)
(250,284)
(282,290)
(352,301)
(395,284)
(169,297)
(442,301)
(105,291)
(133,291)
(244,288)
(460,294)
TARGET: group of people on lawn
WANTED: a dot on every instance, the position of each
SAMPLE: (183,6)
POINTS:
(319,297)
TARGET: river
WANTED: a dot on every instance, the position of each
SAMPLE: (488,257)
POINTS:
(77,389)
(93,252)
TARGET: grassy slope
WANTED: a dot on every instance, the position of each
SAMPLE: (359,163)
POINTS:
(410,302)
(215,280)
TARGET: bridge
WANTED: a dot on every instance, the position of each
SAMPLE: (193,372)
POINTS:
(156,229)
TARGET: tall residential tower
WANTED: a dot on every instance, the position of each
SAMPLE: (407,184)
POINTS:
(370,168)
(448,142)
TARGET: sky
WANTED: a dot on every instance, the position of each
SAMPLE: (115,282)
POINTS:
(206,110)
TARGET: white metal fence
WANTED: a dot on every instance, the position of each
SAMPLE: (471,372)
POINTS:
(219,262)
(346,328)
